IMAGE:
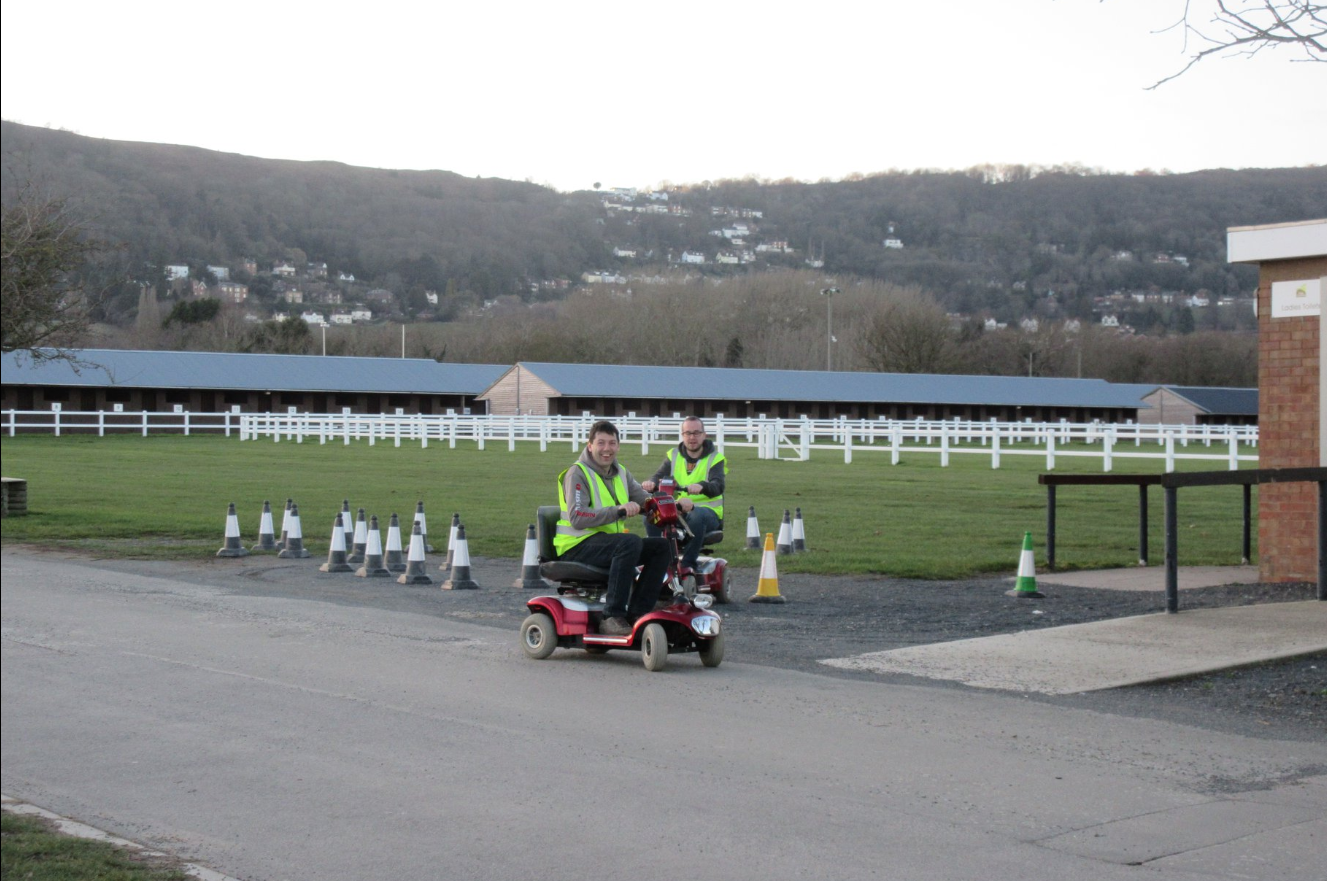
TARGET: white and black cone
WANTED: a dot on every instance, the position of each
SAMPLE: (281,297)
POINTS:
(336,555)
(451,542)
(530,577)
(785,543)
(753,542)
(423,525)
(347,523)
(373,567)
(266,534)
(294,545)
(394,559)
(285,526)
(799,533)
(414,567)
(361,540)
(460,578)
(232,547)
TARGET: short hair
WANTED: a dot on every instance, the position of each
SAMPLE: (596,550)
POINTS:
(694,419)
(603,426)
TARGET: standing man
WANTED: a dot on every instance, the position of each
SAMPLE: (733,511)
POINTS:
(699,470)
(597,495)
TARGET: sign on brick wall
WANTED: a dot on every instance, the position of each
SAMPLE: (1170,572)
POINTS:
(1294,299)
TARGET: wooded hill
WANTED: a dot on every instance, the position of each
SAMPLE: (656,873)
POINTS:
(1004,242)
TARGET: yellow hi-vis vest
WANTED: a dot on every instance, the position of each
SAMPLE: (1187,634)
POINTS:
(685,478)
(567,536)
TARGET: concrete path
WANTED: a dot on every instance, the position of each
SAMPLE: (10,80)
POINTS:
(1115,653)
(1152,578)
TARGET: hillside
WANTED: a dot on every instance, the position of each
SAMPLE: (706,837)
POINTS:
(1004,243)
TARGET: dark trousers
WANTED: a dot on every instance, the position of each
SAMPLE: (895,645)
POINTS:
(699,521)
(620,553)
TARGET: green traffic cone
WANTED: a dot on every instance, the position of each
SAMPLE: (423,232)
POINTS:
(1026,584)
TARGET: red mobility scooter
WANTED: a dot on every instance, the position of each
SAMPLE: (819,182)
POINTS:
(681,622)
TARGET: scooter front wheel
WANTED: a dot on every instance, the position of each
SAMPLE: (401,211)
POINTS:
(539,636)
(724,594)
(711,651)
(654,647)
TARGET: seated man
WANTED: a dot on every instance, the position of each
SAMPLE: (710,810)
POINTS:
(597,495)
(699,471)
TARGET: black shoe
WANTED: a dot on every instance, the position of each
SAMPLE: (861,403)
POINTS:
(616,626)
(666,599)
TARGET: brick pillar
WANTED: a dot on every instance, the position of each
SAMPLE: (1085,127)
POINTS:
(1289,398)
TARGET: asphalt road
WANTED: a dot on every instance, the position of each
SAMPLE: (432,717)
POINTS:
(297,735)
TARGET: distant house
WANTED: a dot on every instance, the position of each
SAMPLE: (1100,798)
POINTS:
(283,270)
(294,296)
(248,265)
(314,318)
(726,257)
(220,273)
(432,297)
(624,252)
(693,257)
(381,295)
(894,244)
(176,271)
(361,315)
(345,276)
(317,270)
(234,291)
(1110,321)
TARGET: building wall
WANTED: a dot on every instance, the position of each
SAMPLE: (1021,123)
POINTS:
(1288,406)
(520,392)
(1168,408)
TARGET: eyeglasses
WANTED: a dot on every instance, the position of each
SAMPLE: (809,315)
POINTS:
(693,434)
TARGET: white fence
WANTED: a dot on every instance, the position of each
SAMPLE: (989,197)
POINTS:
(793,439)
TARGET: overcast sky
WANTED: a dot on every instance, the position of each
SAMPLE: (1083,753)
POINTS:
(635,94)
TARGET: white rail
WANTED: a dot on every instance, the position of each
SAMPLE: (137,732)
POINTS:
(793,439)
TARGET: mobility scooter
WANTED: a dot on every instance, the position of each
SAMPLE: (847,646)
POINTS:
(681,622)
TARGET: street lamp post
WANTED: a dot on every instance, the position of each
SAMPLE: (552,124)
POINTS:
(828,294)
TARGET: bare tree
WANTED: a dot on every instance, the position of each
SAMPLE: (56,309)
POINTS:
(1244,27)
(44,255)
(908,333)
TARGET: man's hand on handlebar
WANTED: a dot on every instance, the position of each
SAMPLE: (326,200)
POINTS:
(630,509)
(647,485)
(686,505)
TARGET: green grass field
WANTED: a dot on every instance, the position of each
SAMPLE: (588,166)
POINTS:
(166,497)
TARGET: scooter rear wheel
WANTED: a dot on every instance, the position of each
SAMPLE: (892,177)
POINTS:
(654,647)
(539,637)
(724,594)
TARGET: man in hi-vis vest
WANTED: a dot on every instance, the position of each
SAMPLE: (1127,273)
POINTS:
(597,495)
(699,470)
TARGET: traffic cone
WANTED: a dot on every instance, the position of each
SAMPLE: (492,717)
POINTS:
(347,523)
(285,526)
(785,545)
(336,555)
(423,527)
(266,536)
(373,567)
(360,541)
(799,533)
(294,549)
(451,541)
(1026,584)
(461,579)
(395,558)
(767,588)
(414,570)
(232,547)
(752,531)
(530,577)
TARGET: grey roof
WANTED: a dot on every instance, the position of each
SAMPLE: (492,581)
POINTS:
(230,370)
(730,384)
(1219,401)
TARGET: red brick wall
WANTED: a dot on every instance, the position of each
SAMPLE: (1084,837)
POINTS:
(1288,428)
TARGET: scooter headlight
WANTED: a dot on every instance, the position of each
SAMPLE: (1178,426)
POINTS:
(702,601)
(706,625)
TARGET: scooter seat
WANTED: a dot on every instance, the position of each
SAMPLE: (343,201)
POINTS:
(567,570)
(713,538)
